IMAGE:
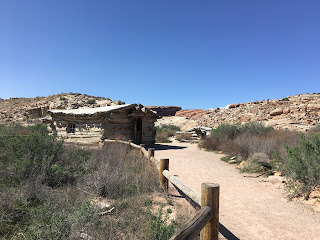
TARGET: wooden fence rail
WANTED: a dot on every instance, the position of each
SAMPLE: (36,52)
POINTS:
(193,227)
(192,194)
(206,221)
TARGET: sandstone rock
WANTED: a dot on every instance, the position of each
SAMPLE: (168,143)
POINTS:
(315,194)
(232,161)
(277,173)
(286,111)
(276,179)
(165,110)
(234,105)
(242,165)
(276,112)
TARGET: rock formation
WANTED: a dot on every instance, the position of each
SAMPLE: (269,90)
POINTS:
(299,112)
(165,110)
(30,110)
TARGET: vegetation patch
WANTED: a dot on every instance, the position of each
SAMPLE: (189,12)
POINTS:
(264,149)
(301,165)
(164,132)
(48,189)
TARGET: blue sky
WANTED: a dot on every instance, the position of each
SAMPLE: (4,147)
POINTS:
(193,54)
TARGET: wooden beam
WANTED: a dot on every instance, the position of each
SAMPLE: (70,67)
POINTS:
(195,196)
(193,227)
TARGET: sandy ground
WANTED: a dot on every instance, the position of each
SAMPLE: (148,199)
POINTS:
(250,208)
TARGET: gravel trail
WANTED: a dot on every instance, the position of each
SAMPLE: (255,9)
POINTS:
(250,208)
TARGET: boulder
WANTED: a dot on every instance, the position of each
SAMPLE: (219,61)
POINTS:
(234,105)
(286,111)
(277,111)
(315,194)
(276,179)
(242,165)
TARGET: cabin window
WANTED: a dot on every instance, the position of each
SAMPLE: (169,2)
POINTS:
(71,128)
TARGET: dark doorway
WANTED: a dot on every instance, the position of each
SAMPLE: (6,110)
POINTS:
(138,131)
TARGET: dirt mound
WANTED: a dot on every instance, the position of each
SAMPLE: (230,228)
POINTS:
(299,112)
(30,110)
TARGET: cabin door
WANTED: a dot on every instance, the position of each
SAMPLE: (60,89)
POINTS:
(138,131)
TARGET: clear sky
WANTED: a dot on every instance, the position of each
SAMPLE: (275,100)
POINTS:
(193,54)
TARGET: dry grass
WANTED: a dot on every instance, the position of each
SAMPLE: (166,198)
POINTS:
(51,196)
(244,141)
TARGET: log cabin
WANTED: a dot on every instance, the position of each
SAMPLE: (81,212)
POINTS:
(130,122)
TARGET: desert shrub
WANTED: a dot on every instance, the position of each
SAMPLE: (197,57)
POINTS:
(166,131)
(226,131)
(91,101)
(67,168)
(243,141)
(233,139)
(184,136)
(256,163)
(28,155)
(52,196)
(120,173)
(158,227)
(168,128)
(302,165)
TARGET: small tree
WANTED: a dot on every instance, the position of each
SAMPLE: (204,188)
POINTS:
(302,166)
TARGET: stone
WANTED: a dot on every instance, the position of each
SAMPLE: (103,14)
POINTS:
(243,164)
(232,161)
(277,111)
(234,105)
(286,111)
(276,179)
(314,194)
(165,110)
(277,173)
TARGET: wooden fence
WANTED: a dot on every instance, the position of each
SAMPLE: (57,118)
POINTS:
(206,221)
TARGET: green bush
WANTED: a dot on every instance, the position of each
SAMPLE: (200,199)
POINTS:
(166,131)
(91,101)
(302,166)
(158,227)
(46,188)
(27,155)
(226,131)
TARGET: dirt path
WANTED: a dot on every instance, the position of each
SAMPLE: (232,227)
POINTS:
(249,207)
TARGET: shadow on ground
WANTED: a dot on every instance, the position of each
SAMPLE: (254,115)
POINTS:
(158,147)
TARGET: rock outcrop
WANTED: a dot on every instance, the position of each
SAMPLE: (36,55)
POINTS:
(30,110)
(164,111)
(299,112)
(192,114)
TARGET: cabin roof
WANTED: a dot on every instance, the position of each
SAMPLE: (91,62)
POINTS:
(91,111)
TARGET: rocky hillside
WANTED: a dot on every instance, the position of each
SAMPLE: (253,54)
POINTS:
(299,112)
(30,110)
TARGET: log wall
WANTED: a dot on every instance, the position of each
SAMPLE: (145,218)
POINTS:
(118,125)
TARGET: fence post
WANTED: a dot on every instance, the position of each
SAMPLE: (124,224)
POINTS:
(210,198)
(150,153)
(141,146)
(164,165)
